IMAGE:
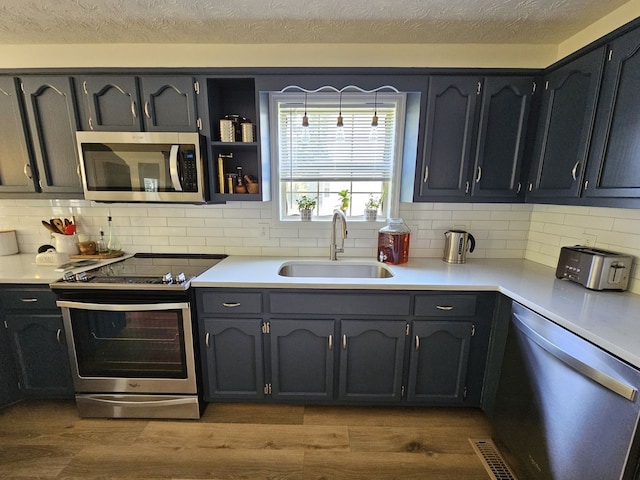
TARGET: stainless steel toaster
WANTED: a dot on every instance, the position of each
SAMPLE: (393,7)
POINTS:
(594,268)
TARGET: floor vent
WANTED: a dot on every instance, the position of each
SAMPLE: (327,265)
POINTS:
(492,460)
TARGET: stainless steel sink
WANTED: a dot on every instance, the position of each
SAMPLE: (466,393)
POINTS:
(335,269)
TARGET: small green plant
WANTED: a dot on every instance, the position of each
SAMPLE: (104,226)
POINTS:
(306,203)
(373,203)
(344,199)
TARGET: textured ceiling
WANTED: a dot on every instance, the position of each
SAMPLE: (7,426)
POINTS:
(296,21)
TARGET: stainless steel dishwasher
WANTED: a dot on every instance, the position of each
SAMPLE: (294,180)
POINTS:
(565,409)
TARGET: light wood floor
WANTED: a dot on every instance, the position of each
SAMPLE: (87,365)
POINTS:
(48,440)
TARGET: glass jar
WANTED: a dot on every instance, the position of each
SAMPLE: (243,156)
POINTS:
(393,242)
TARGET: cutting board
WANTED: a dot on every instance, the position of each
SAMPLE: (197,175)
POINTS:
(99,256)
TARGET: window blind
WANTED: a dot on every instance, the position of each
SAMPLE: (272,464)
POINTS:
(319,154)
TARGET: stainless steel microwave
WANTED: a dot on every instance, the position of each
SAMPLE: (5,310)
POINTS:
(142,167)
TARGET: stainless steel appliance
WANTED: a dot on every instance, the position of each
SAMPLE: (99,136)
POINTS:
(457,244)
(594,268)
(565,409)
(142,166)
(130,338)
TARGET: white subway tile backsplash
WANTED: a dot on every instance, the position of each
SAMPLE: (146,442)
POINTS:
(534,232)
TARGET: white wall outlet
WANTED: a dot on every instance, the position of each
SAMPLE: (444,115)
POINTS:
(263,230)
(588,240)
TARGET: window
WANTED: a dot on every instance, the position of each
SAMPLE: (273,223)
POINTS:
(321,160)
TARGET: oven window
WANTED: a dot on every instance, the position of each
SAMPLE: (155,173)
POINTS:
(146,344)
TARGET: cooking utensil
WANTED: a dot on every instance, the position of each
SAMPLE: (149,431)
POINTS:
(49,227)
(70,229)
(58,224)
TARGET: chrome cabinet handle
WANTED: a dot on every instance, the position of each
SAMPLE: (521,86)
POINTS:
(344,342)
(330,342)
(426,174)
(466,188)
(230,304)
(417,343)
(59,336)
(574,171)
(206,339)
(133,110)
(519,188)
(27,171)
(28,300)
(146,109)
(445,308)
(479,174)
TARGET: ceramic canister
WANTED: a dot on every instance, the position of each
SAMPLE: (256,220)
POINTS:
(8,242)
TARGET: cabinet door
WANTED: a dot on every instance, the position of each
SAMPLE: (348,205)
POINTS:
(50,108)
(302,353)
(614,163)
(565,126)
(41,355)
(112,103)
(450,119)
(16,174)
(169,104)
(371,360)
(439,357)
(8,376)
(233,365)
(502,133)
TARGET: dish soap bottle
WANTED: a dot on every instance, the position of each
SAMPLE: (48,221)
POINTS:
(113,245)
(393,242)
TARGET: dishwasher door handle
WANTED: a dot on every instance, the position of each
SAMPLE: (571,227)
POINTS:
(608,382)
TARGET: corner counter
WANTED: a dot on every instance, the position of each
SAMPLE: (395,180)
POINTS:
(608,319)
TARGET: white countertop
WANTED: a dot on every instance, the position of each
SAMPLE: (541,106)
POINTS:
(609,319)
(22,269)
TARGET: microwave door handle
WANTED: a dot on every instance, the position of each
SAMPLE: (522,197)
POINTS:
(173,168)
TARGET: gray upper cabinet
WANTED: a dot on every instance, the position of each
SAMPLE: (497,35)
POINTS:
(16,171)
(502,136)
(565,126)
(448,148)
(476,131)
(133,104)
(169,104)
(614,160)
(51,114)
(112,103)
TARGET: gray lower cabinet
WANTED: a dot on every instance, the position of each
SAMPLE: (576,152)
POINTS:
(371,360)
(344,347)
(302,359)
(233,359)
(9,392)
(438,360)
(35,331)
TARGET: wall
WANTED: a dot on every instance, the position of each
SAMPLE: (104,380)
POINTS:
(554,226)
(237,228)
(624,14)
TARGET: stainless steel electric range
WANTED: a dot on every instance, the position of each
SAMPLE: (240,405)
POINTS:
(129,333)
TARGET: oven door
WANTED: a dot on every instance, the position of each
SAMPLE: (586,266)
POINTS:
(130,348)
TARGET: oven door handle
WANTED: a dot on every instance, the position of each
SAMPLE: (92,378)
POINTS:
(122,308)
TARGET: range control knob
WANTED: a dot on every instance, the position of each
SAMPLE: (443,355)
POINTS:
(167,278)
(181,278)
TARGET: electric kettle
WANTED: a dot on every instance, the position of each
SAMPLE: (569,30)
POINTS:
(456,245)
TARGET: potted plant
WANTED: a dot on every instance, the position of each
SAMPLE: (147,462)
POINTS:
(371,208)
(305,206)
(344,200)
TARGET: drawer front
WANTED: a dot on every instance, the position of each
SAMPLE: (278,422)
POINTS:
(28,299)
(229,302)
(445,305)
(341,304)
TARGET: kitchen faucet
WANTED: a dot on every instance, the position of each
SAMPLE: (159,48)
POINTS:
(333,247)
